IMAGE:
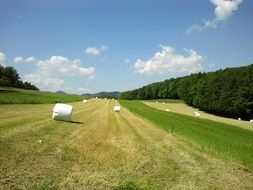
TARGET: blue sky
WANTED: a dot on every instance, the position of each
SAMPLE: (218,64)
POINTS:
(106,45)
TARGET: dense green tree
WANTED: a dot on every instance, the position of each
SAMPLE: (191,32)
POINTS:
(227,92)
(9,77)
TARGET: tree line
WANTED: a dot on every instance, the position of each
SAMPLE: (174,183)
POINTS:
(9,77)
(227,92)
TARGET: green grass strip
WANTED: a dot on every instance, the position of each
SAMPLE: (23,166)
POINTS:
(35,97)
(222,139)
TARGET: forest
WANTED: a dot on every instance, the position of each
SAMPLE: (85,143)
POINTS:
(9,77)
(227,92)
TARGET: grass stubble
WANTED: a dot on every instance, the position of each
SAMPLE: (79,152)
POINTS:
(102,149)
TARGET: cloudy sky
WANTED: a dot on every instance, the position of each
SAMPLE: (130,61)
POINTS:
(84,46)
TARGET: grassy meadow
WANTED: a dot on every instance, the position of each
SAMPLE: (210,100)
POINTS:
(20,96)
(185,109)
(222,139)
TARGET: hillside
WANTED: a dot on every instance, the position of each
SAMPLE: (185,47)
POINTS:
(20,96)
(182,108)
(114,94)
(227,92)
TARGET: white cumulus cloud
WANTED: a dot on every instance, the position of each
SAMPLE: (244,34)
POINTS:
(82,90)
(17,59)
(91,77)
(223,11)
(30,59)
(194,27)
(92,50)
(49,72)
(45,82)
(168,61)
(58,65)
(95,50)
(2,59)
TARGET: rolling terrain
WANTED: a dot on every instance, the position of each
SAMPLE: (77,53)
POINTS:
(101,149)
(20,96)
(182,108)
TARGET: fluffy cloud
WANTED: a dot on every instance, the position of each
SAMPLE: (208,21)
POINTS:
(194,27)
(168,61)
(92,51)
(17,59)
(223,11)
(62,66)
(2,59)
(48,72)
(30,59)
(91,77)
(45,82)
(82,90)
(95,50)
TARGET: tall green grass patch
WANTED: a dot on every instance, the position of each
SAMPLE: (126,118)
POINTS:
(13,96)
(224,140)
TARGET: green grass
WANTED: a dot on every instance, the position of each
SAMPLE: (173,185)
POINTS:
(18,96)
(166,100)
(224,140)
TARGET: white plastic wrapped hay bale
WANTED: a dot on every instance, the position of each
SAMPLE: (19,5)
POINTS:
(116,109)
(62,112)
(197,114)
(85,101)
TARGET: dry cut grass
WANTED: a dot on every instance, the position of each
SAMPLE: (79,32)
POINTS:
(102,149)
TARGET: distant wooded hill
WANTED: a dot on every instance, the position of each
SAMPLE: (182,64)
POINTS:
(227,92)
(114,94)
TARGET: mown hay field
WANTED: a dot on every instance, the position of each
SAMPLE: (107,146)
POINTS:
(102,149)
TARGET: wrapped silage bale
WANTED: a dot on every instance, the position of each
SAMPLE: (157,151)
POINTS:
(85,101)
(197,114)
(62,112)
(116,108)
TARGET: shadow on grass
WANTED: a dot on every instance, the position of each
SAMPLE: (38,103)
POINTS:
(76,122)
